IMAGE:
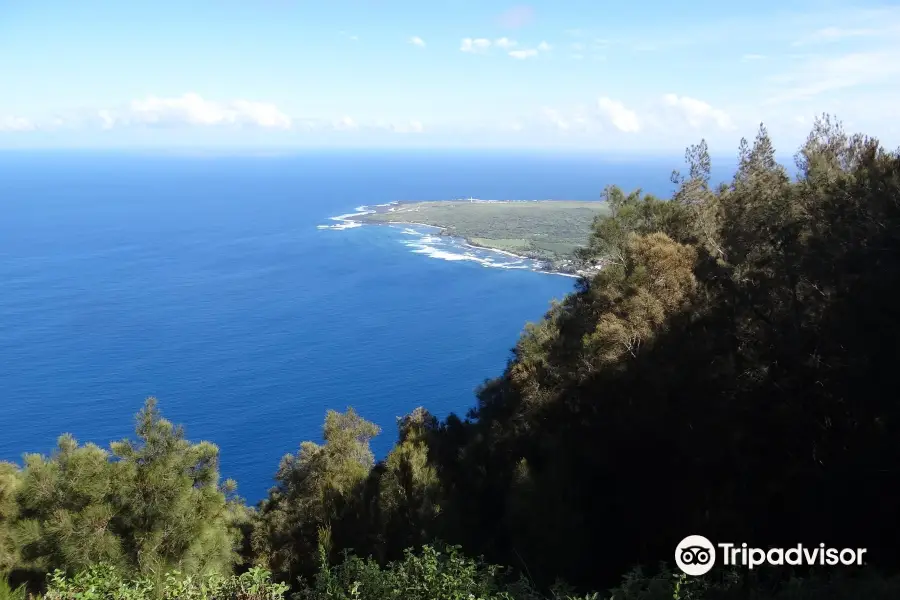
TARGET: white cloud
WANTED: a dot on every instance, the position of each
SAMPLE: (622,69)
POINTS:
(345,124)
(417,41)
(16,124)
(752,57)
(530,52)
(482,45)
(523,54)
(192,109)
(578,121)
(310,124)
(261,114)
(817,75)
(621,117)
(108,120)
(405,127)
(696,112)
(554,117)
(834,34)
(475,45)
(409,127)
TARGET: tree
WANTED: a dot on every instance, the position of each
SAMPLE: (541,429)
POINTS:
(410,492)
(730,371)
(316,487)
(144,506)
(10,479)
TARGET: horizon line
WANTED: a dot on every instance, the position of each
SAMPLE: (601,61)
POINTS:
(305,150)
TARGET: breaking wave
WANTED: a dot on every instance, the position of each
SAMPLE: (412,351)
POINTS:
(452,249)
(340,226)
(441,247)
(346,221)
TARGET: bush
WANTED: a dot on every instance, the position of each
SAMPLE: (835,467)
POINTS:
(766,584)
(428,575)
(104,582)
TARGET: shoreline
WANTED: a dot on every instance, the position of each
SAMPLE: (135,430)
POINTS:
(465,242)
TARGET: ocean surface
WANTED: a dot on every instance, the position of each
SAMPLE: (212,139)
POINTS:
(223,286)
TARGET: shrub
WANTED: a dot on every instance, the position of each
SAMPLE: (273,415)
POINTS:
(104,582)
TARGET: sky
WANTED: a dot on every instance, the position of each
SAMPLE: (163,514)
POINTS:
(639,76)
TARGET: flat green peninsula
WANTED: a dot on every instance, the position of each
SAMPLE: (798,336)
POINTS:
(545,230)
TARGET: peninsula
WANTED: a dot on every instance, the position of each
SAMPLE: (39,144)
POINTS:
(548,231)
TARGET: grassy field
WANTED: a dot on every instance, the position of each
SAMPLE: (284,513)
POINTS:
(545,229)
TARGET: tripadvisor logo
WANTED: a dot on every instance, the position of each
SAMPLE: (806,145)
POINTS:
(696,555)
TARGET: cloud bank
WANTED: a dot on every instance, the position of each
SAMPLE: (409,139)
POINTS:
(16,124)
(192,109)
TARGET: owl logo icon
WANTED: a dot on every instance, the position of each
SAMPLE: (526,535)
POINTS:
(695,555)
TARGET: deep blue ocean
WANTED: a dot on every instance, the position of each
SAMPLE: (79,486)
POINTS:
(221,286)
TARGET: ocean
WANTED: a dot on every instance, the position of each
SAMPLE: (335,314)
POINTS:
(222,286)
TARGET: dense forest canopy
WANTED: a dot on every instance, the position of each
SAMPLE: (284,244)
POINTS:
(730,372)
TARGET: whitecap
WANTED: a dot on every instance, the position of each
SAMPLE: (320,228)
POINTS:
(457,250)
(351,215)
(346,221)
(431,239)
(433,252)
(340,226)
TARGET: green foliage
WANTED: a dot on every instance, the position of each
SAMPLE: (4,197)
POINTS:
(442,573)
(145,506)
(768,585)
(316,486)
(410,492)
(103,582)
(10,480)
(7,592)
(427,575)
(632,214)
(445,574)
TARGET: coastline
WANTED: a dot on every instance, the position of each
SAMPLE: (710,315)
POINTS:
(464,241)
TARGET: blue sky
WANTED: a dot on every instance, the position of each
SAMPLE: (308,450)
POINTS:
(639,76)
